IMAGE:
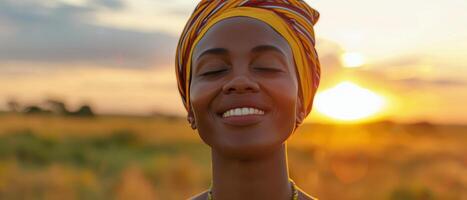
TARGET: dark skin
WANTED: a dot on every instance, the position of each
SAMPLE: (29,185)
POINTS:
(243,61)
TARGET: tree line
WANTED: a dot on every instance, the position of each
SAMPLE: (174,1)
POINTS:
(50,106)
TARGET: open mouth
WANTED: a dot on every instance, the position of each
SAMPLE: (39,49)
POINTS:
(242,116)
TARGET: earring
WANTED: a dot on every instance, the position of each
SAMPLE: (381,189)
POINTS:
(298,123)
(299,120)
(192,122)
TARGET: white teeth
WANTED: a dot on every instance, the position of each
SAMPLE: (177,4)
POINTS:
(245,111)
(257,111)
(242,112)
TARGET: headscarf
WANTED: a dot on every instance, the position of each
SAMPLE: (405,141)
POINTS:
(293,19)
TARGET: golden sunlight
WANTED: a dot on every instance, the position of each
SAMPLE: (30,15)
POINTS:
(348,102)
(353,60)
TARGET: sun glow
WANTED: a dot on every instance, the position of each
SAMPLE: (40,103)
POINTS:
(348,102)
(353,60)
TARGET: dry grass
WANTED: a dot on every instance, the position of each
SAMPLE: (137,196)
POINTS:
(49,157)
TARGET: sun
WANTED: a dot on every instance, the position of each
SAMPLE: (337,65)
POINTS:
(348,102)
(353,60)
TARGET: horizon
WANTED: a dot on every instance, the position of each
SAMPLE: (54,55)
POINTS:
(170,116)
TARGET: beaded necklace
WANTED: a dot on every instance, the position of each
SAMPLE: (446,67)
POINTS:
(294,191)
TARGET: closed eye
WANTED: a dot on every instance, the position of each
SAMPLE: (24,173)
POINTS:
(214,72)
(268,69)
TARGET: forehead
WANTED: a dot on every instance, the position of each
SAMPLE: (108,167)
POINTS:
(241,34)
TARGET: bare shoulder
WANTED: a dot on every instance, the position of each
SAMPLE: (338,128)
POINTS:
(200,196)
(302,195)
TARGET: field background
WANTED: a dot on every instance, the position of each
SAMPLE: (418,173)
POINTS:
(67,65)
(117,157)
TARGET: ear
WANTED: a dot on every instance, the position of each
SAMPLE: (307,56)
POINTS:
(191,119)
(300,112)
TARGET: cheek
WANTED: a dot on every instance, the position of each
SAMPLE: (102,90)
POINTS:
(284,92)
(201,96)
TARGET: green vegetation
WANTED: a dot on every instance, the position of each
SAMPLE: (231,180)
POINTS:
(111,157)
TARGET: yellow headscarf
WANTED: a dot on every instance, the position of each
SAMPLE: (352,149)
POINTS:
(293,19)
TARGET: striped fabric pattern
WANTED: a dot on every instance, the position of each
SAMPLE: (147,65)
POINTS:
(293,19)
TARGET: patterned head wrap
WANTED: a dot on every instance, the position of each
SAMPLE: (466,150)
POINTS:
(293,19)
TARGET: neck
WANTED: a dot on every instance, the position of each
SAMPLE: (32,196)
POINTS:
(263,178)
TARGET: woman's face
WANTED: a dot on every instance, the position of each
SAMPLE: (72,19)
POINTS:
(243,63)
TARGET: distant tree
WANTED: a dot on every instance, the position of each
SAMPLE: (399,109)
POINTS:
(84,111)
(57,107)
(35,110)
(168,117)
(13,105)
(51,106)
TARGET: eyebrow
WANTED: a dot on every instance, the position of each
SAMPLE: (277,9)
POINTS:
(263,48)
(257,49)
(214,51)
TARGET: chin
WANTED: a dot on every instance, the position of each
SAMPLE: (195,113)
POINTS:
(248,142)
(248,148)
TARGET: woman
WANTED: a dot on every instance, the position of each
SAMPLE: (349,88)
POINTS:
(247,72)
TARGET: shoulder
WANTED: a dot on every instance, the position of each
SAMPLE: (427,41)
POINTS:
(302,195)
(200,196)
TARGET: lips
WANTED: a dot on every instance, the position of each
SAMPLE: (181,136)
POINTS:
(242,112)
(239,121)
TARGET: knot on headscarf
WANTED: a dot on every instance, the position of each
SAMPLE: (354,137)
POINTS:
(293,19)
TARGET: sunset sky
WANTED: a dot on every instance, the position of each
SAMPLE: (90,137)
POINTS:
(410,57)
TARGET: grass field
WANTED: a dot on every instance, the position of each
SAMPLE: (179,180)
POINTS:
(110,157)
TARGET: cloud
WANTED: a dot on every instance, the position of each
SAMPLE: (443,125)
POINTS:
(417,82)
(402,61)
(409,72)
(65,33)
(113,4)
(329,54)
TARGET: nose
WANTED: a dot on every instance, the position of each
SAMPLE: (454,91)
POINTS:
(240,84)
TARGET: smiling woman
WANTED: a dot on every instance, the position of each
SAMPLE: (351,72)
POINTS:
(247,72)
